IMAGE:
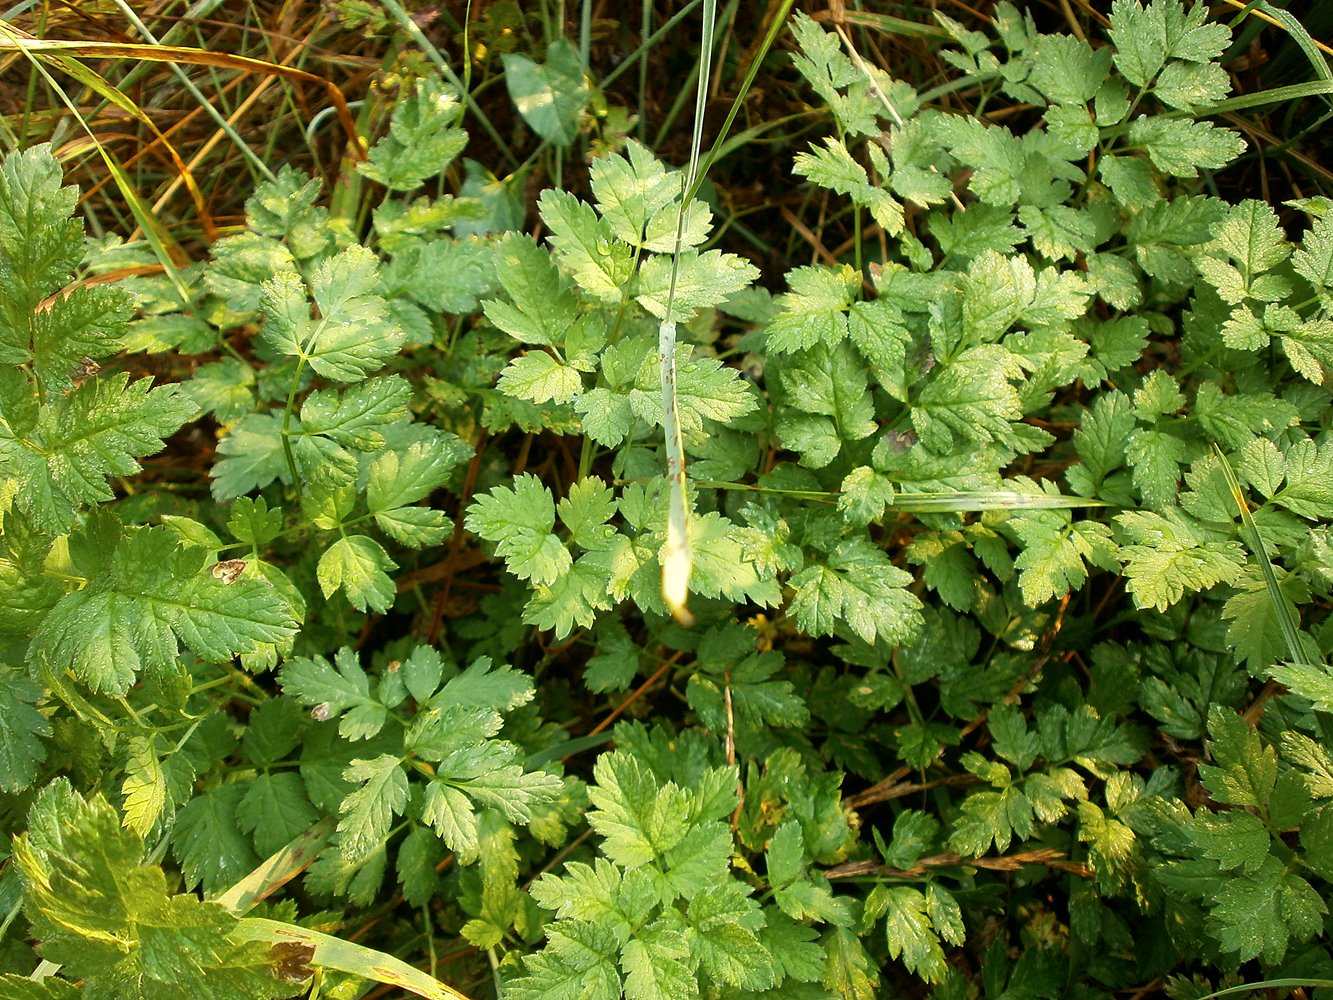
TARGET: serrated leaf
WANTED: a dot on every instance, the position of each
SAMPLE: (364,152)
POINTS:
(208,842)
(830,403)
(541,308)
(422,139)
(1055,550)
(355,418)
(1244,769)
(338,689)
(859,587)
(1167,558)
(598,262)
(368,810)
(354,333)
(98,430)
(832,166)
(144,787)
(702,280)
(358,566)
(22,729)
(814,310)
(108,919)
(540,378)
(519,521)
(639,199)
(399,480)
(275,811)
(147,595)
(970,399)
(1181,148)
(1258,916)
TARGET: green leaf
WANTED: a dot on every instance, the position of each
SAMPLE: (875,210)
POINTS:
(833,167)
(639,199)
(1180,148)
(1055,550)
(654,962)
(519,521)
(223,388)
(287,208)
(864,496)
(607,417)
(1140,39)
(1244,769)
(572,600)
(354,333)
(368,810)
(422,139)
(239,267)
(1068,70)
(1308,491)
(145,786)
(830,403)
(16,987)
(638,820)
(253,457)
(62,459)
(275,811)
(398,480)
(579,962)
(585,511)
(356,418)
(39,243)
(22,729)
(1001,165)
(703,280)
(1314,260)
(108,919)
(969,398)
(814,310)
(1312,682)
(848,969)
(599,263)
(541,308)
(1258,916)
(145,593)
(842,87)
(358,565)
(1167,558)
(910,930)
(446,276)
(859,587)
(208,842)
(549,96)
(1154,458)
(722,938)
(340,689)
(540,378)
(1190,86)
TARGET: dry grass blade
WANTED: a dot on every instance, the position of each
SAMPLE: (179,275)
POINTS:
(15,41)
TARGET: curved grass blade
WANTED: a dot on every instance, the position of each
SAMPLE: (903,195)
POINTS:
(164,246)
(1267,984)
(677,560)
(36,51)
(277,870)
(1303,666)
(346,956)
(961,502)
(11,39)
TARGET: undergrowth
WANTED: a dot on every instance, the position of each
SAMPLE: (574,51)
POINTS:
(335,500)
